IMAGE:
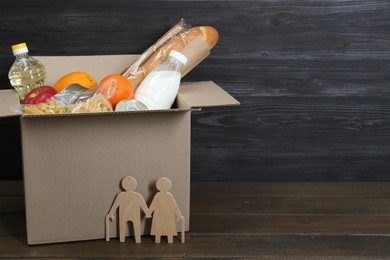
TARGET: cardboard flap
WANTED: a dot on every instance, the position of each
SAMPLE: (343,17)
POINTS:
(9,103)
(97,66)
(204,94)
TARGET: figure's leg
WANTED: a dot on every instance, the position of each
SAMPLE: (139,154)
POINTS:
(122,231)
(137,230)
(170,239)
(157,239)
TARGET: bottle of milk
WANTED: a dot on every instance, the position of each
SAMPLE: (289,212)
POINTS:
(159,89)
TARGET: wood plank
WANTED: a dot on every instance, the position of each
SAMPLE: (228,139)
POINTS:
(291,75)
(292,206)
(300,139)
(13,226)
(257,189)
(273,56)
(260,198)
(294,225)
(212,246)
(243,189)
(11,188)
(12,205)
(10,152)
(325,27)
(226,227)
(232,224)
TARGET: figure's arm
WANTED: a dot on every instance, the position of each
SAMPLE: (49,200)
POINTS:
(113,209)
(152,206)
(177,210)
(144,207)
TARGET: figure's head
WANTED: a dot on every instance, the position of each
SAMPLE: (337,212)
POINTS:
(163,184)
(129,183)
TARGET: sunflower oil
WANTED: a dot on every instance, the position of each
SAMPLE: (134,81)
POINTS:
(26,73)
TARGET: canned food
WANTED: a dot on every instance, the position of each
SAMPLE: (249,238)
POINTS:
(130,105)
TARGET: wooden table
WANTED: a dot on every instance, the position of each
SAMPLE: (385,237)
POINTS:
(231,220)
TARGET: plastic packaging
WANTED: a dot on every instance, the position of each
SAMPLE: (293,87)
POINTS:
(75,99)
(26,73)
(155,54)
(159,89)
(132,70)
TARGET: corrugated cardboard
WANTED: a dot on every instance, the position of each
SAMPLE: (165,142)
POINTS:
(73,167)
(9,101)
(73,164)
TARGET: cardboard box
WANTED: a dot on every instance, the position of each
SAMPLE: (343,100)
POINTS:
(73,163)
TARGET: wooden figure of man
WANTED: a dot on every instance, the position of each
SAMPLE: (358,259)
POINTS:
(130,204)
(165,212)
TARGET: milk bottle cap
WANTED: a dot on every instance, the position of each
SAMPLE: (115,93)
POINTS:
(180,57)
(19,48)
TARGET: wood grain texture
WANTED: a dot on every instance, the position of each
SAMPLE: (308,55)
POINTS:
(268,220)
(210,247)
(249,189)
(312,79)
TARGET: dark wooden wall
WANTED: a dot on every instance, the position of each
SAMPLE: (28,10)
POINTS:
(313,78)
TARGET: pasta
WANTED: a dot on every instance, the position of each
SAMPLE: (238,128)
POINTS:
(96,103)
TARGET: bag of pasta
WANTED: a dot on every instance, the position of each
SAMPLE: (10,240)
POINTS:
(76,99)
(91,101)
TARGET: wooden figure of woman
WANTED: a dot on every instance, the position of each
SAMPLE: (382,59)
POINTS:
(165,212)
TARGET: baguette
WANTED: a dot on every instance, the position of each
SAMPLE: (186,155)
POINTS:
(209,34)
(175,30)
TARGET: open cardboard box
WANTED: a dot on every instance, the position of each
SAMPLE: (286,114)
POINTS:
(73,164)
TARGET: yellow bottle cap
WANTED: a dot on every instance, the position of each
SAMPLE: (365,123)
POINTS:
(19,46)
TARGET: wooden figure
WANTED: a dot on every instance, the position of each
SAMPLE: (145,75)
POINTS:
(130,204)
(165,212)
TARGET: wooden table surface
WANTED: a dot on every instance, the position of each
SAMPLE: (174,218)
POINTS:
(232,220)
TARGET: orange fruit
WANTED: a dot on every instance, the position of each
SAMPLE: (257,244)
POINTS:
(79,77)
(116,87)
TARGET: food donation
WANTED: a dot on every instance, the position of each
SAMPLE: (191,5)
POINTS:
(150,82)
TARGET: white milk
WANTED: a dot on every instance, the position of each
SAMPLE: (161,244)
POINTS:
(159,89)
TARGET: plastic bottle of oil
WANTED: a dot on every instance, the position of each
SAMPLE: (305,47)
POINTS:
(26,72)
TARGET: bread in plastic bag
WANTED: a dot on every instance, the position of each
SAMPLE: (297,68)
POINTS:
(135,72)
